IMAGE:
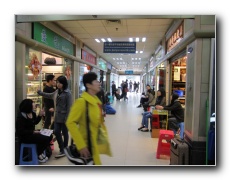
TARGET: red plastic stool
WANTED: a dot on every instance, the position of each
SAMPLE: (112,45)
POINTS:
(156,121)
(163,147)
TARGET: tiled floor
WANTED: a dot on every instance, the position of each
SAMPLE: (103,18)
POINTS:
(130,147)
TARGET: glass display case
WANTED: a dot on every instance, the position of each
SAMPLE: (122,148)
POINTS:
(33,73)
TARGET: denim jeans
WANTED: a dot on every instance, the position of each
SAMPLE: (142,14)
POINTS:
(59,130)
(145,119)
(174,125)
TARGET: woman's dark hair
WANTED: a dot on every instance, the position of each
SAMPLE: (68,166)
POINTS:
(162,92)
(89,78)
(174,97)
(26,106)
(63,81)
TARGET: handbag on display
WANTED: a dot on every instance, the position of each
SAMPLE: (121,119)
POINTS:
(72,152)
(50,61)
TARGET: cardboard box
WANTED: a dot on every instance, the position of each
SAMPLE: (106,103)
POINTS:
(155,133)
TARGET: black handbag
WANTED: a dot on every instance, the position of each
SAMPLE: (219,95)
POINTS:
(72,152)
(50,61)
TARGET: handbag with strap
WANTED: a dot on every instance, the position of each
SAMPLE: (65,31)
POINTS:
(72,152)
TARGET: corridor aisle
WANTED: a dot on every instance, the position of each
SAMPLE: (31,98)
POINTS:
(130,147)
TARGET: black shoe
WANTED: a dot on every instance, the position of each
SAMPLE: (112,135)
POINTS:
(145,130)
(140,128)
(139,106)
(61,154)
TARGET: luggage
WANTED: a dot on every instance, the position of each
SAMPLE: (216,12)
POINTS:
(211,146)
(118,96)
(179,152)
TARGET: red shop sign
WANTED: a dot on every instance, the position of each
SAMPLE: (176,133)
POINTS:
(88,57)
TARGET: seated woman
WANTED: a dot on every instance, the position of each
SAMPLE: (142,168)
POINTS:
(108,107)
(176,122)
(25,128)
(160,100)
(150,101)
(145,121)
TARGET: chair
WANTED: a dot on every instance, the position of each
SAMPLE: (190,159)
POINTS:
(163,147)
(28,154)
(155,121)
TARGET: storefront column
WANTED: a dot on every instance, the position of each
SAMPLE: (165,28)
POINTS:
(75,78)
(197,93)
(20,88)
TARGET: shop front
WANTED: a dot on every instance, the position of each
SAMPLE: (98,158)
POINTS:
(39,64)
(84,68)
(178,76)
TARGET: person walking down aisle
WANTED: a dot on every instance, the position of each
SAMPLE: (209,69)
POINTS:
(25,128)
(76,122)
(130,86)
(48,103)
(63,102)
(114,89)
(125,90)
(176,122)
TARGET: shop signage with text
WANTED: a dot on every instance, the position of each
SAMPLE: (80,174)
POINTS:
(46,36)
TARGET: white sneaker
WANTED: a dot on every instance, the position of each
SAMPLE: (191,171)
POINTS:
(41,159)
(44,157)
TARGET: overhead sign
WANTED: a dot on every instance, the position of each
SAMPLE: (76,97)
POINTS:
(120,47)
(129,72)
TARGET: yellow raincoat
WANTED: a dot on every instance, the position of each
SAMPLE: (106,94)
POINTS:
(76,124)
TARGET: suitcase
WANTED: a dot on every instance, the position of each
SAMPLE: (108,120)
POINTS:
(211,145)
(179,152)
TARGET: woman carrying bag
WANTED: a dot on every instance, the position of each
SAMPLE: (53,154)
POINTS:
(88,105)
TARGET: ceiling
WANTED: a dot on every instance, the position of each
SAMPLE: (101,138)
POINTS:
(87,28)
(120,30)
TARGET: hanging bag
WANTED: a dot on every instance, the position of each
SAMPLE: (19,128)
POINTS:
(72,152)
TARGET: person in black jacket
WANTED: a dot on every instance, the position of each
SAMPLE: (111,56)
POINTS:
(25,128)
(113,89)
(49,103)
(176,122)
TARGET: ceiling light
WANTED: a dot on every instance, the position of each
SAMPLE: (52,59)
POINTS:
(120,58)
(143,39)
(102,39)
(141,52)
(130,39)
(139,58)
(136,52)
(110,40)
(137,39)
(97,40)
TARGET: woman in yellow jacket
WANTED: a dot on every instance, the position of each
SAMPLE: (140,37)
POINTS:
(76,122)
